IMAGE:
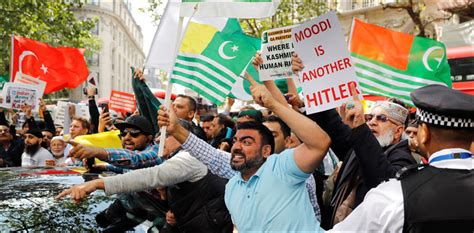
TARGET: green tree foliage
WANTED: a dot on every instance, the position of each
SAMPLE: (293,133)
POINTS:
(50,21)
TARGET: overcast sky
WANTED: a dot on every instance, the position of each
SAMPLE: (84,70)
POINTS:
(145,22)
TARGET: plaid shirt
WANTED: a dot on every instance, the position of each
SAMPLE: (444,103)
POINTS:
(218,162)
(123,158)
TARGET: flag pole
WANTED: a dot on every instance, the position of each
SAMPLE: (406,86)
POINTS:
(11,58)
(170,84)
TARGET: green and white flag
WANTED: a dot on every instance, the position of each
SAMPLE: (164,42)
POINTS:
(229,8)
(212,56)
(393,64)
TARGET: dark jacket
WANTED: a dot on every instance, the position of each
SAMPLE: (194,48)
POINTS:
(12,156)
(366,164)
(199,206)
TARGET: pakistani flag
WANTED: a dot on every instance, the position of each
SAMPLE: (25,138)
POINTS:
(212,56)
(393,64)
(228,8)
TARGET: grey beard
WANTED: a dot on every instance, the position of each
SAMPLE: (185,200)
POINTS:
(386,139)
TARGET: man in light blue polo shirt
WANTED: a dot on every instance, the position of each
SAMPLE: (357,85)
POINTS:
(262,195)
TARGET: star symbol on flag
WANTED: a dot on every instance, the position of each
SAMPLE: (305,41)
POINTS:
(235,48)
(44,68)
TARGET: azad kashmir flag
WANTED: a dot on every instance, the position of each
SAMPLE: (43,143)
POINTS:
(212,56)
(393,64)
(228,8)
(60,68)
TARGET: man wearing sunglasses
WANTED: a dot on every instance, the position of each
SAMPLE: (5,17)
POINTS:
(136,134)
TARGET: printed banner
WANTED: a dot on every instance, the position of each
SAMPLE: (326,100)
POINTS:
(122,102)
(328,72)
(26,79)
(15,95)
(277,49)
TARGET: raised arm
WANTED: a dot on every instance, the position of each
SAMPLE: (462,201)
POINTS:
(217,161)
(316,142)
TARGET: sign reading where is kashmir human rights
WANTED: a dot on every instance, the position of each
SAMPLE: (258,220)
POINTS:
(277,49)
(328,73)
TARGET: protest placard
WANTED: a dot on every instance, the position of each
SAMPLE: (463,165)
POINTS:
(328,72)
(122,101)
(15,95)
(26,79)
(277,49)
(62,112)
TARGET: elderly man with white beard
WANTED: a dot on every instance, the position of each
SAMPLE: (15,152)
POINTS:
(370,146)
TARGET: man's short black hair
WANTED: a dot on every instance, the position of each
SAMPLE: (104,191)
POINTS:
(283,126)
(225,120)
(207,118)
(191,100)
(267,136)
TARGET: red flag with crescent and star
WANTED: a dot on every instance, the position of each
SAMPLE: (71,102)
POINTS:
(61,67)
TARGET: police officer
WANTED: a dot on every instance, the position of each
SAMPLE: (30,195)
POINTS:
(433,198)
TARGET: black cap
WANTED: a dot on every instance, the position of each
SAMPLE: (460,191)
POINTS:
(442,106)
(35,132)
(137,122)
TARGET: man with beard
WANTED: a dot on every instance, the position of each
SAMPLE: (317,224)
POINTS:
(428,198)
(371,149)
(136,137)
(34,154)
(195,196)
(262,195)
(57,149)
(265,191)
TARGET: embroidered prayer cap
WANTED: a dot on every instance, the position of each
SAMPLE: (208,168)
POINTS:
(395,111)
(442,106)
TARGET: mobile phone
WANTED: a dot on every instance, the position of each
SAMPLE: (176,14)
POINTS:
(106,108)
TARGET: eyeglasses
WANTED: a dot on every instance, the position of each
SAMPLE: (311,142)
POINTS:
(134,133)
(380,117)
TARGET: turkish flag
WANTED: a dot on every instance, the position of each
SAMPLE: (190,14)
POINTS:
(62,67)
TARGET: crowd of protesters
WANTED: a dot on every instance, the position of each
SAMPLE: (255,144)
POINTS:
(278,170)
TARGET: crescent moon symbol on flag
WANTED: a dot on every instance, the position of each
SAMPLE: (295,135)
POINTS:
(22,56)
(427,54)
(221,51)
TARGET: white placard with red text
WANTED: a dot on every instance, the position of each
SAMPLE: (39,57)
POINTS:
(277,49)
(328,72)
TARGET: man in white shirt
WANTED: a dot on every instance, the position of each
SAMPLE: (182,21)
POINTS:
(433,198)
(34,154)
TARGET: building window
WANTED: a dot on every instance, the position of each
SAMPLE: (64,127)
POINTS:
(113,59)
(368,3)
(354,4)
